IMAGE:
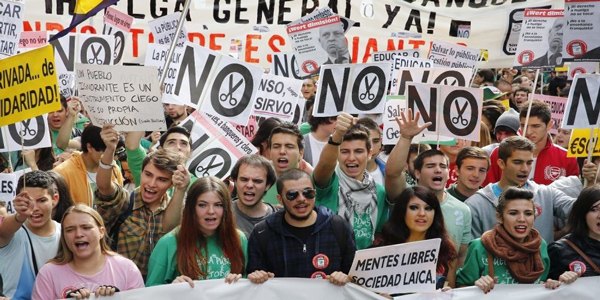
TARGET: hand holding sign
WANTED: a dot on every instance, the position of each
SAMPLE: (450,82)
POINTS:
(73,107)
(409,127)
(486,283)
(24,206)
(181,178)
(338,278)
(344,122)
(109,136)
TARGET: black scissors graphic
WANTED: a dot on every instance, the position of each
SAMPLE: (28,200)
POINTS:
(210,166)
(232,88)
(367,93)
(26,130)
(460,117)
(95,60)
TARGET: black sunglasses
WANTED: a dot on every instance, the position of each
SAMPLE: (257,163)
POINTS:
(308,193)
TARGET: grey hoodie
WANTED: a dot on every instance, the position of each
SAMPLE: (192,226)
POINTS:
(549,203)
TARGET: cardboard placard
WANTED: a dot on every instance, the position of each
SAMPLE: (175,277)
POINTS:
(581,68)
(34,132)
(540,42)
(451,55)
(12,15)
(581,41)
(583,108)
(117,24)
(393,107)
(32,40)
(277,97)
(164,30)
(557,104)
(400,59)
(580,143)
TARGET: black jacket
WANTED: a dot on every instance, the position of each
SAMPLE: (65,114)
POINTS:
(562,255)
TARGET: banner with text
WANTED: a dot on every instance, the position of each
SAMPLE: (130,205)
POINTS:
(557,105)
(126,96)
(581,41)
(400,59)
(540,42)
(12,15)
(277,96)
(580,143)
(583,107)
(393,107)
(34,133)
(164,30)
(444,54)
(8,188)
(117,24)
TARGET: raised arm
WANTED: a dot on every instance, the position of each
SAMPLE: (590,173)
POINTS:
(64,133)
(395,180)
(110,137)
(24,206)
(329,156)
(181,180)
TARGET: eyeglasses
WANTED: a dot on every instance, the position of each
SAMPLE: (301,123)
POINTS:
(308,193)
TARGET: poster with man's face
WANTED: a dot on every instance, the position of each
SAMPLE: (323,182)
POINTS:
(541,39)
(581,39)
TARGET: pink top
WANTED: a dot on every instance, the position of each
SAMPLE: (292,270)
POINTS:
(56,281)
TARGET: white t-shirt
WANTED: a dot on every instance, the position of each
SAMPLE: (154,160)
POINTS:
(16,265)
(316,148)
(378,176)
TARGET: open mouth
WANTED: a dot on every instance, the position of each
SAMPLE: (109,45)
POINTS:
(421,222)
(437,179)
(81,245)
(249,196)
(352,168)
(36,218)
(210,221)
(282,162)
(149,193)
(520,229)
(301,208)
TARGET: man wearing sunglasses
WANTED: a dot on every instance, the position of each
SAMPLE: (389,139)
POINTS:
(345,186)
(301,240)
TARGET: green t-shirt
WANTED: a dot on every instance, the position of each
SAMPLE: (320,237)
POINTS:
(162,268)
(476,265)
(304,128)
(271,196)
(457,218)
(363,233)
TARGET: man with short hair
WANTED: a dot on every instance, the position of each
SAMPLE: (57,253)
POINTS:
(472,164)
(136,221)
(309,88)
(413,152)
(286,147)
(375,166)
(344,185)
(80,170)
(515,159)
(508,124)
(300,240)
(550,161)
(29,238)
(521,96)
(253,175)
(431,171)
(175,114)
(320,130)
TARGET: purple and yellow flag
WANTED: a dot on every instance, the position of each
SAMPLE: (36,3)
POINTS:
(83,10)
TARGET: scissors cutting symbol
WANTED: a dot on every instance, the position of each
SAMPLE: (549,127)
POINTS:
(232,88)
(205,170)
(27,131)
(367,93)
(95,60)
(459,117)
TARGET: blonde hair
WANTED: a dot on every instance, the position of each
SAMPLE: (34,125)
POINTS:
(64,254)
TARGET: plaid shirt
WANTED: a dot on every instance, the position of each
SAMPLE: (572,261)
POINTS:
(140,232)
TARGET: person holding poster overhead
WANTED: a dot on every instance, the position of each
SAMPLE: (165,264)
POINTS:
(206,245)
(417,216)
(517,251)
(345,186)
(84,263)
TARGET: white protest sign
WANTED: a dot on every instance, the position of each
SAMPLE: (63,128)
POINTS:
(216,145)
(351,88)
(64,60)
(156,55)
(401,268)
(581,41)
(8,188)
(285,64)
(12,15)
(451,55)
(436,75)
(393,107)
(32,39)
(34,132)
(461,109)
(277,97)
(400,59)
(117,24)
(318,42)
(540,42)
(581,68)
(164,29)
(323,13)
(583,106)
(95,49)
(126,96)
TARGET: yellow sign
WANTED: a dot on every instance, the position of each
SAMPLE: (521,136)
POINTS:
(28,85)
(578,144)
(506,104)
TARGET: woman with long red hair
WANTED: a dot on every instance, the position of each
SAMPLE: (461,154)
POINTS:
(206,245)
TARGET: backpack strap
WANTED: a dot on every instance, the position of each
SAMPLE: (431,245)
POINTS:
(594,266)
(338,225)
(114,230)
(262,240)
(491,264)
(35,266)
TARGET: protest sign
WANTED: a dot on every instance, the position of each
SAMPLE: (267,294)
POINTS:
(540,42)
(400,59)
(126,96)
(451,55)
(34,133)
(581,68)
(318,42)
(401,268)
(351,88)
(216,145)
(582,288)
(322,13)
(95,49)
(285,64)
(461,107)
(156,57)
(436,75)
(12,15)
(581,41)
(393,107)
(249,130)
(32,39)
(557,105)
(580,143)
(164,30)
(29,86)
(64,55)
(117,24)
(8,187)
(583,107)
(277,97)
